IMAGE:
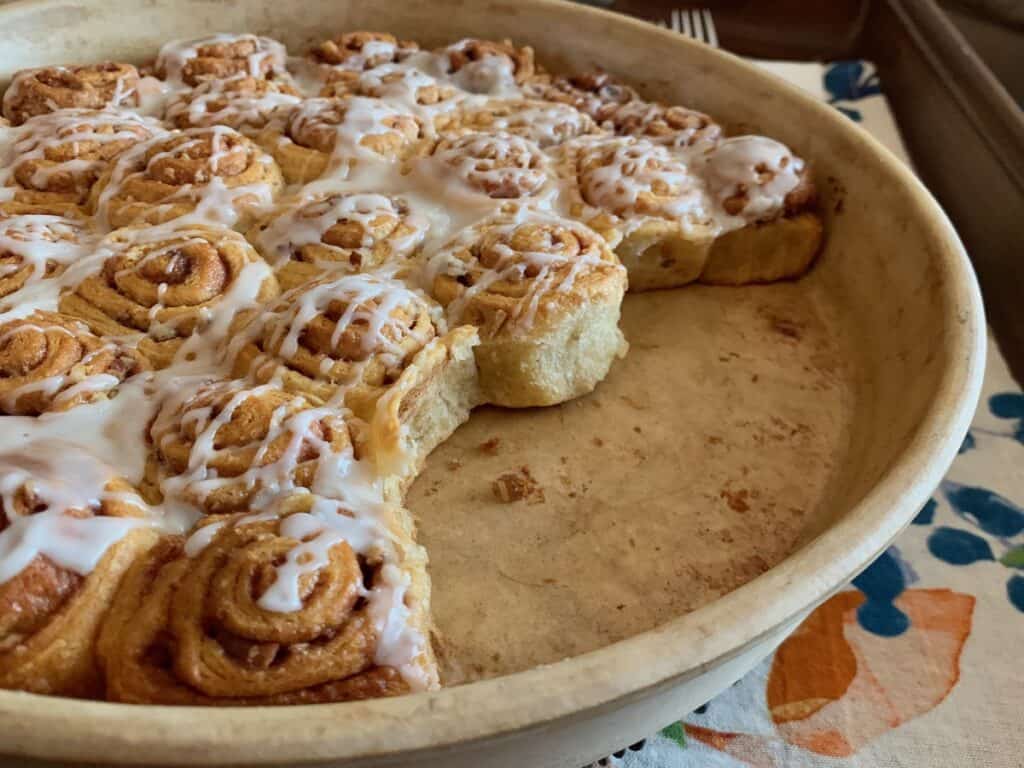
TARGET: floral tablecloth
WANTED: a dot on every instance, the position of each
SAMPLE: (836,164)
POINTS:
(919,663)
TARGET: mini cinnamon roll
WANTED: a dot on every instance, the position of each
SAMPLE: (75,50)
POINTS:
(596,94)
(166,285)
(765,205)
(50,362)
(361,50)
(229,446)
(242,102)
(374,345)
(56,159)
(69,529)
(217,57)
(37,247)
(336,135)
(337,233)
(487,66)
(544,123)
(210,175)
(499,166)
(91,86)
(544,293)
(647,202)
(679,128)
(319,604)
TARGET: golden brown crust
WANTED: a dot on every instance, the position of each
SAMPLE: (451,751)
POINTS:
(249,428)
(166,286)
(61,156)
(50,362)
(169,177)
(327,133)
(242,102)
(361,50)
(91,86)
(191,630)
(220,57)
(50,615)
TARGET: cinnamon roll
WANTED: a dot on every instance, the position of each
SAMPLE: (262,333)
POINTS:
(326,134)
(596,94)
(217,57)
(311,606)
(37,247)
(545,293)
(765,204)
(358,51)
(166,285)
(427,97)
(91,86)
(69,528)
(371,344)
(544,123)
(228,446)
(242,102)
(487,66)
(480,166)
(50,362)
(684,130)
(337,233)
(647,202)
(210,175)
(57,158)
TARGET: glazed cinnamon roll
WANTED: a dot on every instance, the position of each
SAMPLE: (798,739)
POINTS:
(359,51)
(337,233)
(682,129)
(221,56)
(210,175)
(56,159)
(596,94)
(227,446)
(351,340)
(545,294)
(48,89)
(476,166)
(427,97)
(544,123)
(50,362)
(242,102)
(336,135)
(166,286)
(36,247)
(69,528)
(647,202)
(487,66)
(310,606)
(765,204)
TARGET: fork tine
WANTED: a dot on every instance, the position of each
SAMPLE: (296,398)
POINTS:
(695,25)
(676,26)
(685,27)
(710,33)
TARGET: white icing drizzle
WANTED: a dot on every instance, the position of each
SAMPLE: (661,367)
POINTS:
(215,201)
(61,478)
(124,93)
(306,224)
(35,140)
(214,102)
(45,245)
(754,171)
(269,56)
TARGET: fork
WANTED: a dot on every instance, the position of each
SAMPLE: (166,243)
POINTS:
(695,23)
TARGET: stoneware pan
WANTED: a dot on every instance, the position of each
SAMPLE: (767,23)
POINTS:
(842,397)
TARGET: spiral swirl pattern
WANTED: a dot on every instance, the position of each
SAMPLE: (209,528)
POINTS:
(47,89)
